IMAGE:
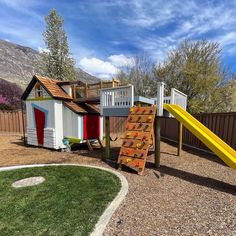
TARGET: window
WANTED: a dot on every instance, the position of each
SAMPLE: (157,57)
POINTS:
(38,91)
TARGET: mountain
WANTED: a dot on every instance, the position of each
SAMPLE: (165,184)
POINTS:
(17,64)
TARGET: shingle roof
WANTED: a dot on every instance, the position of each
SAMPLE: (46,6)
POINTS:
(91,108)
(75,107)
(53,88)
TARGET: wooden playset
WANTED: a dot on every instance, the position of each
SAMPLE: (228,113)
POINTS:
(136,142)
(67,112)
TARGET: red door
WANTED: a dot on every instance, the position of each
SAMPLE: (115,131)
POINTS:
(40,124)
(91,127)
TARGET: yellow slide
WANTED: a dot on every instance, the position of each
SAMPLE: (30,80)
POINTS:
(212,141)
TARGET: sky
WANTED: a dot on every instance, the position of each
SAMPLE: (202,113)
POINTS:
(105,35)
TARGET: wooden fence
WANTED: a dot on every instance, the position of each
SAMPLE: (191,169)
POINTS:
(11,122)
(222,124)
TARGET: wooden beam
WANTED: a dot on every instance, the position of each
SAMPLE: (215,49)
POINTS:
(23,121)
(157,127)
(89,145)
(180,140)
(86,90)
(107,135)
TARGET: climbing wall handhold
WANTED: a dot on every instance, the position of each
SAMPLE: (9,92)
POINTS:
(138,145)
(149,118)
(146,127)
(144,137)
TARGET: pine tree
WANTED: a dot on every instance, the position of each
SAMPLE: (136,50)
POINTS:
(57,62)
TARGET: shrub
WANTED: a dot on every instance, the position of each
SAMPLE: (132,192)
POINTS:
(10,95)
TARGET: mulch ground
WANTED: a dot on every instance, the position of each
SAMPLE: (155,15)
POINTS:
(194,194)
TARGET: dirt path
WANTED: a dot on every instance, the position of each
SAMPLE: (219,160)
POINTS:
(189,195)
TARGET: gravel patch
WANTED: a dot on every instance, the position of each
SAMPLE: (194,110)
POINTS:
(194,194)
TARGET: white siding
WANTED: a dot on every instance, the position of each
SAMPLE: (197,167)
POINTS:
(32,136)
(53,132)
(67,89)
(58,105)
(50,138)
(72,123)
(81,127)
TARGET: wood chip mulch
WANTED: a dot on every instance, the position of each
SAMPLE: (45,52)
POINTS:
(194,194)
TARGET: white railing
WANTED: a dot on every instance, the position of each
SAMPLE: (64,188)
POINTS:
(176,97)
(167,100)
(119,97)
(179,98)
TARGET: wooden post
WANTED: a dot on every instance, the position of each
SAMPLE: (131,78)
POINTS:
(23,121)
(107,135)
(86,90)
(180,130)
(157,128)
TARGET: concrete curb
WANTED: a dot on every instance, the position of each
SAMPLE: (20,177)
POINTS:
(107,214)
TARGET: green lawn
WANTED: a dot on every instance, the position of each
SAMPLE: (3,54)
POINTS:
(69,202)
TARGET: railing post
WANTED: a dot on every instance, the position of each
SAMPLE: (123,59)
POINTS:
(132,96)
(101,102)
(107,138)
(160,98)
(172,96)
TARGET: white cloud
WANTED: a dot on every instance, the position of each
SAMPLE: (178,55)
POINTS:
(99,68)
(41,50)
(189,20)
(121,60)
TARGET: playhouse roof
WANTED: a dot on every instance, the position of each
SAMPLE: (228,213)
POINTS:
(50,85)
(75,107)
(82,108)
(53,88)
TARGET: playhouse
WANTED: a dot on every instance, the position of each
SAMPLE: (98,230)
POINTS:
(53,114)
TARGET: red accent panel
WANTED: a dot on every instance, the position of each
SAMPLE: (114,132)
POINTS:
(40,124)
(91,127)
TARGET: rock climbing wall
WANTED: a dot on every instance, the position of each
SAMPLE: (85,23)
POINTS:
(136,142)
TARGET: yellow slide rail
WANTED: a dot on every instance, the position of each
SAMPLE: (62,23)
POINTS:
(212,141)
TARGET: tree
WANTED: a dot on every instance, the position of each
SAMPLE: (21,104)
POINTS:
(195,69)
(10,95)
(56,59)
(139,73)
